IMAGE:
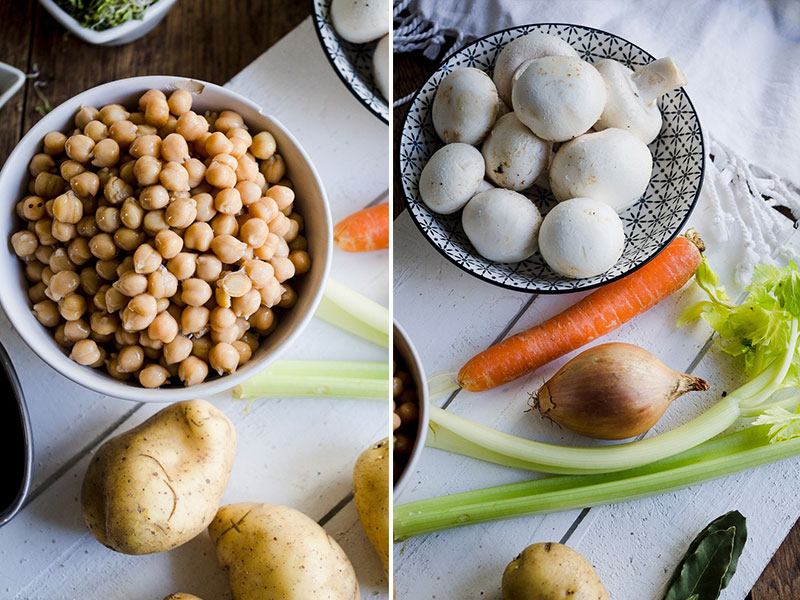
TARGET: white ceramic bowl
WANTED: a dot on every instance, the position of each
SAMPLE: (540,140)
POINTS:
(404,347)
(311,202)
(115,36)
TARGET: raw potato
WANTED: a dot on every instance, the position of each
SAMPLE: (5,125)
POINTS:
(361,21)
(514,156)
(371,493)
(276,552)
(465,106)
(451,177)
(551,571)
(159,485)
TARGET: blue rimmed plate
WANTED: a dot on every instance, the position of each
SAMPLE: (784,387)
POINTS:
(650,224)
(352,62)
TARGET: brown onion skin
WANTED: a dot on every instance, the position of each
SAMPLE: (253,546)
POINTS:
(612,391)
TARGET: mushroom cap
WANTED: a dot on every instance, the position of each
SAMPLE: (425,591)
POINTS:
(581,238)
(513,54)
(361,21)
(502,225)
(514,156)
(612,166)
(624,109)
(381,65)
(465,106)
(558,97)
(451,177)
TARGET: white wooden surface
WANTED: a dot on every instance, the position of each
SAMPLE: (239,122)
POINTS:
(294,452)
(634,546)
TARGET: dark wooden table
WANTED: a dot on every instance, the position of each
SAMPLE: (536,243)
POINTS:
(781,579)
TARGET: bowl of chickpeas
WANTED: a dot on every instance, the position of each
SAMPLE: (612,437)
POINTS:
(167,239)
(410,403)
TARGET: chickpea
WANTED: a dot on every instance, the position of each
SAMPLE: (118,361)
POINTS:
(139,313)
(294,230)
(220,175)
(147,169)
(164,328)
(130,359)
(106,173)
(44,231)
(182,265)
(224,358)
(90,281)
(33,270)
(192,371)
(205,207)
(106,153)
(174,148)
(262,319)
(174,177)
(194,319)
(227,120)
(273,168)
(301,261)
(85,352)
(246,304)
(235,284)
(125,338)
(72,307)
(162,284)
(41,163)
(251,339)
(37,293)
(54,143)
(177,350)
(85,184)
(123,132)
(48,185)
(107,269)
(154,197)
(108,219)
(249,192)
(283,196)
(288,298)
(103,323)
(151,94)
(218,143)
(126,266)
(227,336)
(145,145)
(263,145)
(191,126)
(62,284)
(96,130)
(59,261)
(254,232)
(209,268)
(195,291)
(279,225)
(116,191)
(79,147)
(112,113)
(87,227)
(227,248)
(156,112)
(76,330)
(271,293)
(102,246)
(180,101)
(25,243)
(266,209)
(154,221)
(246,169)
(115,300)
(131,284)
(181,213)
(113,369)
(129,239)
(221,297)
(224,224)
(146,259)
(33,208)
(63,232)
(243,350)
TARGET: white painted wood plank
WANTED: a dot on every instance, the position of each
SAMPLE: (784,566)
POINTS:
(294,452)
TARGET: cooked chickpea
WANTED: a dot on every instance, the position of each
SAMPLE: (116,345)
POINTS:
(164,327)
(62,284)
(177,350)
(224,224)
(145,145)
(227,120)
(85,184)
(41,163)
(102,246)
(205,207)
(79,147)
(90,281)
(218,143)
(33,208)
(195,291)
(273,168)
(25,243)
(174,177)
(59,261)
(235,284)
(123,132)
(129,239)
(149,95)
(192,371)
(283,196)
(139,312)
(37,293)
(154,197)
(246,304)
(103,323)
(284,268)
(174,148)
(254,232)
(180,101)
(63,232)
(181,213)
(116,191)
(224,358)
(87,227)
(54,143)
(194,319)
(130,359)
(156,112)
(154,221)
(182,265)
(271,293)
(227,248)
(221,175)
(111,113)
(153,376)
(48,185)
(146,259)
(259,272)
(162,284)
(147,169)
(263,145)
(114,300)
(262,319)
(76,330)
(131,284)
(85,352)
(209,267)
(108,219)
(33,270)
(191,126)
(246,169)
(288,298)
(266,209)
(97,130)
(106,153)
(44,231)
(107,269)
(72,307)
(301,261)
(279,225)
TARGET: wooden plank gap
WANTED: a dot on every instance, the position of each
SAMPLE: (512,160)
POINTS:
(335,510)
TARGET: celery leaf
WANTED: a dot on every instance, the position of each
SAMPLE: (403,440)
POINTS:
(785,424)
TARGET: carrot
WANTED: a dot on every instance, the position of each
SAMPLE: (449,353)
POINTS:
(598,313)
(365,230)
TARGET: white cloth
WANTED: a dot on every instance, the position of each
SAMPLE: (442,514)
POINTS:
(742,61)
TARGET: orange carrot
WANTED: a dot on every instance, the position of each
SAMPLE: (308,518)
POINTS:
(365,230)
(598,313)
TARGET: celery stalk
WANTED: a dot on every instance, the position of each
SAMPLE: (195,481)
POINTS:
(357,314)
(313,379)
(712,459)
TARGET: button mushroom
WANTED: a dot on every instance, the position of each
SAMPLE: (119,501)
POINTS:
(612,166)
(465,106)
(531,46)
(558,97)
(361,21)
(632,95)
(381,65)
(451,177)
(514,156)
(502,225)
(581,238)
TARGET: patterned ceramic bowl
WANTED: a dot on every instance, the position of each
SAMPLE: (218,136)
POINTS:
(352,62)
(650,224)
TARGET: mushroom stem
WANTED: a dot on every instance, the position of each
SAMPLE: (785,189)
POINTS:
(657,78)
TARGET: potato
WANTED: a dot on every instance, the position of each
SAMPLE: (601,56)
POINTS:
(276,552)
(158,485)
(551,571)
(371,491)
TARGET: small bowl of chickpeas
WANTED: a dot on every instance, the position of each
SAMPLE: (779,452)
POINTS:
(167,239)
(410,403)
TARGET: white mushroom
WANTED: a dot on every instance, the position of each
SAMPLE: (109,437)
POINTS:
(531,46)
(581,238)
(558,97)
(451,177)
(465,106)
(502,225)
(361,21)
(632,95)
(381,65)
(612,166)
(514,156)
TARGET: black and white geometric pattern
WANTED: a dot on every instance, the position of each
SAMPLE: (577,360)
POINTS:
(352,62)
(650,224)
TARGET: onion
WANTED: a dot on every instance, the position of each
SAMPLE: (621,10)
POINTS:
(612,391)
